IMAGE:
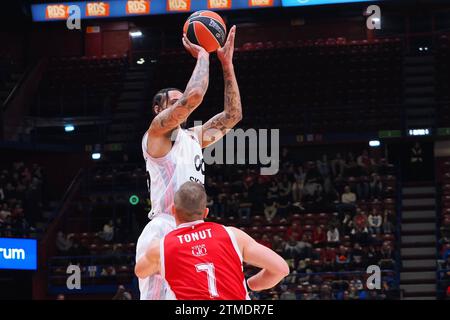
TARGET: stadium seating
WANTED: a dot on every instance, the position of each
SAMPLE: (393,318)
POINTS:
(106,263)
(315,86)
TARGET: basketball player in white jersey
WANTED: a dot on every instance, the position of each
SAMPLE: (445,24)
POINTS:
(173,155)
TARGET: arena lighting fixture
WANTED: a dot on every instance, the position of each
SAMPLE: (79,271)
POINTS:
(419,132)
(136,34)
(69,128)
(374,143)
(96,156)
(141,61)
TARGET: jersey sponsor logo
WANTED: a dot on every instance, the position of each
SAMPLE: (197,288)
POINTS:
(138,7)
(199,250)
(56,11)
(199,164)
(219,4)
(195,236)
(97,9)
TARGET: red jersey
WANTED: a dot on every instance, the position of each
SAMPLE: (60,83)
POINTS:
(202,261)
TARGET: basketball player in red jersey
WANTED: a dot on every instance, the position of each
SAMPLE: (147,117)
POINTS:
(173,155)
(203,260)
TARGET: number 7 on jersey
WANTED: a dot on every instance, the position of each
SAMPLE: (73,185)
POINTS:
(209,269)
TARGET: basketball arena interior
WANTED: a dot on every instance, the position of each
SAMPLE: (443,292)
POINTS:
(358,93)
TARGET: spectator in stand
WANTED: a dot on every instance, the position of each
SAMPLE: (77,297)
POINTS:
(353,293)
(291,252)
(313,189)
(305,247)
(288,294)
(257,195)
(122,294)
(63,243)
(285,189)
(329,258)
(357,257)
(297,185)
(277,244)
(333,235)
(108,271)
(365,162)
(5,212)
(351,166)
(326,293)
(338,166)
(375,221)
(211,207)
(233,206)
(347,203)
(361,221)
(108,231)
(347,224)
(348,197)
(387,257)
(265,241)
(270,211)
(273,193)
(319,237)
(221,205)
(376,187)
(294,230)
(342,258)
(373,256)
(388,221)
(244,209)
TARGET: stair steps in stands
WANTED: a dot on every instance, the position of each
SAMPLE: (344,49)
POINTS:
(418,243)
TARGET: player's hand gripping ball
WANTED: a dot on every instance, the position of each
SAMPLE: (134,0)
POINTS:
(206,29)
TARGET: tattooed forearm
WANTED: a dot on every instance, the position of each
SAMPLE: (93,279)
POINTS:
(195,90)
(232,101)
(221,123)
(200,77)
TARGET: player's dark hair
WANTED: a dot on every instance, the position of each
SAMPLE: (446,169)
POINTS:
(162,97)
(190,201)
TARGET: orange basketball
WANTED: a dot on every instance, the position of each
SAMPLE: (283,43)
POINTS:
(207,29)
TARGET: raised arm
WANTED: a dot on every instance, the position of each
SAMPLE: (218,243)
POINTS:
(169,119)
(149,263)
(216,127)
(274,268)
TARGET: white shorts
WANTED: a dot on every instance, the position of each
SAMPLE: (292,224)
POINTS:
(154,287)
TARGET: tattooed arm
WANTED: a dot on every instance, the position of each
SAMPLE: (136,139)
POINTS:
(215,128)
(168,120)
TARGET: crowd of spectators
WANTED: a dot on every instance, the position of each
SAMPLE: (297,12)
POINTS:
(21,199)
(322,216)
(444,240)
(325,217)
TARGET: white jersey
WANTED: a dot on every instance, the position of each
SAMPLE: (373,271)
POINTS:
(184,162)
(154,287)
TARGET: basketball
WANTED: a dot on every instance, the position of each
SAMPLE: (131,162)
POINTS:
(207,29)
